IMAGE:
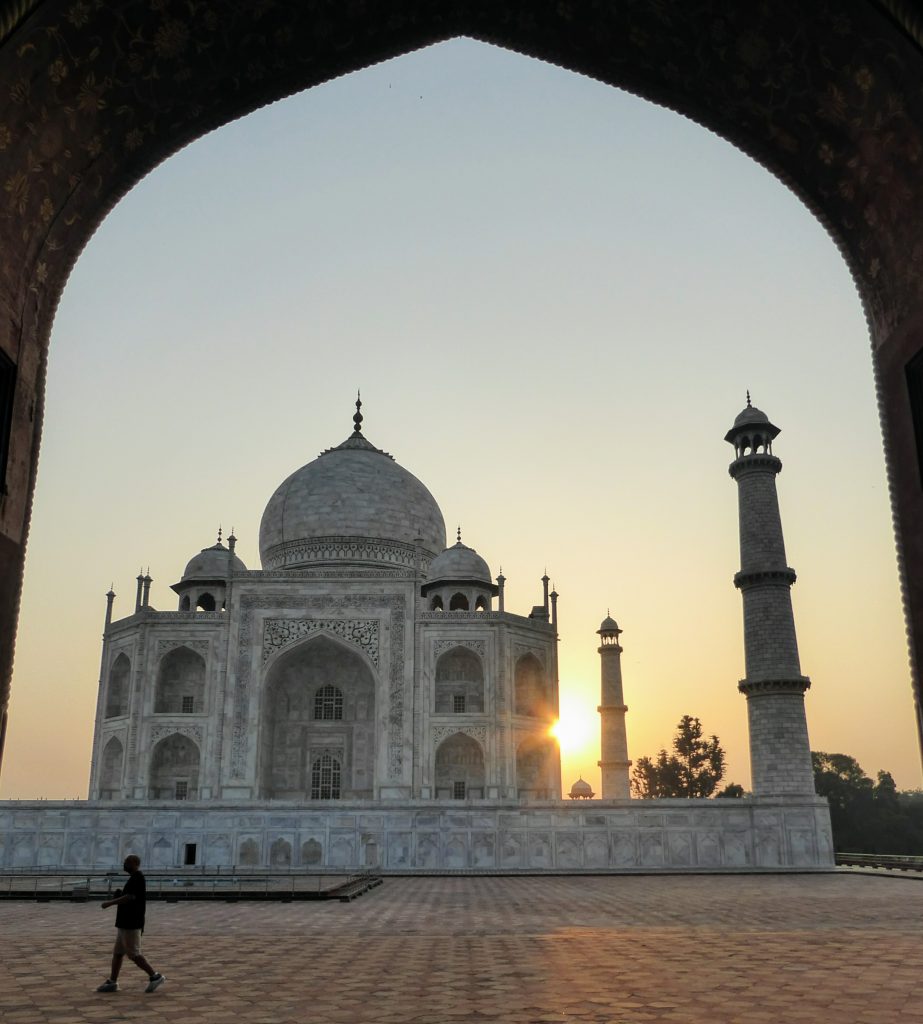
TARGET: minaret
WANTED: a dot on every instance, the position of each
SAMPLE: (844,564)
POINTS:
(780,754)
(613,741)
(110,598)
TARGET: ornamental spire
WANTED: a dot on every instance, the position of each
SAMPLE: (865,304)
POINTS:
(749,406)
(357,416)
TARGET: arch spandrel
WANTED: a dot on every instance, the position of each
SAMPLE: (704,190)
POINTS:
(824,95)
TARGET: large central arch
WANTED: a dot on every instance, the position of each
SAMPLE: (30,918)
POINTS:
(825,95)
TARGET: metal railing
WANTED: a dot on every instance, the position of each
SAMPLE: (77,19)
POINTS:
(889,861)
(190,884)
(181,706)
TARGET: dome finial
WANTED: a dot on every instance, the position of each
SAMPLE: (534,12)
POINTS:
(749,406)
(357,416)
(219,533)
(458,534)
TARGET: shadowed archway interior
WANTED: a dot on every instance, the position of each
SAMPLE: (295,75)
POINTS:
(91,99)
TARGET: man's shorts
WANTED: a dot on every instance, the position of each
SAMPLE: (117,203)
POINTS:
(127,942)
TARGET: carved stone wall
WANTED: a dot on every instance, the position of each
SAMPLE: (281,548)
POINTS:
(441,646)
(281,633)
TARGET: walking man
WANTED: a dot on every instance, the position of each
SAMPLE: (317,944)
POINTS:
(129,920)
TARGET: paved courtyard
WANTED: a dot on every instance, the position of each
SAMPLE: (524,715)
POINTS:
(844,948)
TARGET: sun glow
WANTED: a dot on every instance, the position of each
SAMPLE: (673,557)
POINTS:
(574,730)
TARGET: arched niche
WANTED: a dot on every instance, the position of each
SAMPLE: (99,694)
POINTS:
(118,687)
(180,686)
(460,772)
(110,769)
(174,773)
(537,768)
(459,682)
(319,699)
(532,689)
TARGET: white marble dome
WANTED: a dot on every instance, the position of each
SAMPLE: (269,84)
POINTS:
(352,504)
(457,564)
(212,564)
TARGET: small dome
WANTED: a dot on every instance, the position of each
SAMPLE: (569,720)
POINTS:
(459,563)
(609,625)
(581,790)
(751,420)
(213,564)
(750,415)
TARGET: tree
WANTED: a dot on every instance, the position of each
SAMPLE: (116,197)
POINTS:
(733,790)
(867,817)
(694,769)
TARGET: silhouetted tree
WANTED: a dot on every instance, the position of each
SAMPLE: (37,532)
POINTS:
(694,769)
(733,790)
(867,817)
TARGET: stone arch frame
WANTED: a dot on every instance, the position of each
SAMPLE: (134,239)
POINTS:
(471,687)
(473,773)
(537,766)
(175,759)
(266,742)
(532,688)
(111,769)
(795,86)
(118,687)
(186,695)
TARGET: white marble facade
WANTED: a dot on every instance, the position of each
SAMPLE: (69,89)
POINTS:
(365,661)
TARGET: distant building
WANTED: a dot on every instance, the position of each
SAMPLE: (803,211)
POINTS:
(581,790)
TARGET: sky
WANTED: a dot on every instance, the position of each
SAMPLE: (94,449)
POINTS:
(554,296)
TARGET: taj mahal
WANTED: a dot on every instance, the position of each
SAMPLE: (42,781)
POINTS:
(366,699)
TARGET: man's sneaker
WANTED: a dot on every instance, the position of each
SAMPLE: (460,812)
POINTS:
(154,983)
(108,986)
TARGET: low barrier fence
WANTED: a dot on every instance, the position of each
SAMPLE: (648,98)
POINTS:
(226,884)
(888,861)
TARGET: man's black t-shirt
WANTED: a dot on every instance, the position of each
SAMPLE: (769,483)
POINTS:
(131,913)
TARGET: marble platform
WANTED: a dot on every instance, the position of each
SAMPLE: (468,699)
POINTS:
(758,834)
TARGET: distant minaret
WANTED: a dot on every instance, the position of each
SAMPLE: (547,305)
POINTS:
(613,741)
(780,754)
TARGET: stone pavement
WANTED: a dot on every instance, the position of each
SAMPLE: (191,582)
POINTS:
(768,949)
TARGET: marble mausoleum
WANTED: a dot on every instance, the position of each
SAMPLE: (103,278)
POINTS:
(366,699)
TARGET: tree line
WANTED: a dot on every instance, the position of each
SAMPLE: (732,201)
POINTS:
(867,816)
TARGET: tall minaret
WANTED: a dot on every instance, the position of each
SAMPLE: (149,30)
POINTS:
(613,741)
(780,754)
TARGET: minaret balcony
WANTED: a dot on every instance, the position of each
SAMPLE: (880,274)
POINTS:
(755,687)
(762,462)
(754,577)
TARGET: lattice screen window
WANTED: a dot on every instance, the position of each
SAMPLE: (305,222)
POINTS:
(325,778)
(328,704)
